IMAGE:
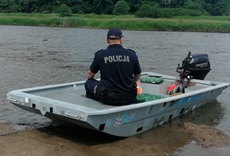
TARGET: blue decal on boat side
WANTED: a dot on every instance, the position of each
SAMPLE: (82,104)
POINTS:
(119,120)
(188,99)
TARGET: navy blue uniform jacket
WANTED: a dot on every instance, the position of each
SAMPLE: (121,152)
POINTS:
(117,66)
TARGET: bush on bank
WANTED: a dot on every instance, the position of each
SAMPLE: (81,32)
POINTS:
(64,10)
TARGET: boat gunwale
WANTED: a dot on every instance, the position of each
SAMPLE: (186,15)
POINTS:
(109,109)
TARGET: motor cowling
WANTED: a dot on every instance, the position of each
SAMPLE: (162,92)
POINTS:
(195,66)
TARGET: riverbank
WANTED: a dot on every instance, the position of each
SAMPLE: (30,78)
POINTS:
(71,142)
(128,22)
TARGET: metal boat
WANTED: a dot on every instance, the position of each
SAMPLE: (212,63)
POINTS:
(67,103)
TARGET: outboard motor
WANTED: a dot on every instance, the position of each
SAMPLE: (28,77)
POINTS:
(195,66)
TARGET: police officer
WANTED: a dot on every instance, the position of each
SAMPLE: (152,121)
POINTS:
(119,69)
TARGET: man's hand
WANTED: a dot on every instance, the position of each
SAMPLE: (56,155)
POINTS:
(90,75)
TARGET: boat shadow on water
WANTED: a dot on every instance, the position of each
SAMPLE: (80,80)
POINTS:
(79,135)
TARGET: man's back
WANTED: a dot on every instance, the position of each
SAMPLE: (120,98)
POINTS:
(117,66)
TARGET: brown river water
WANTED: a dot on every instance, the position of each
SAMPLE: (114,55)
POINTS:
(38,56)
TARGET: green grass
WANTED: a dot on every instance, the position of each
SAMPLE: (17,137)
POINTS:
(129,22)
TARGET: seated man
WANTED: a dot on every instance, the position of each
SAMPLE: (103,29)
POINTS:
(119,69)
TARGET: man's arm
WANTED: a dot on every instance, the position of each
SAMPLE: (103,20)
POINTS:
(137,77)
(90,75)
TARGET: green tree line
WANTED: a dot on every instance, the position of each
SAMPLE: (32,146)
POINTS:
(140,8)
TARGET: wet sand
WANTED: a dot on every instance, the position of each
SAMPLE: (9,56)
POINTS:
(68,141)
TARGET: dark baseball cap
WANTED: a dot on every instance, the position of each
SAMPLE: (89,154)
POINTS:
(114,34)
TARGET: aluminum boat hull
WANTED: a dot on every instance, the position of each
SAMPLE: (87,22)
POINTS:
(67,104)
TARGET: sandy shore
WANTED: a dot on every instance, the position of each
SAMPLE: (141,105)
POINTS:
(61,141)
